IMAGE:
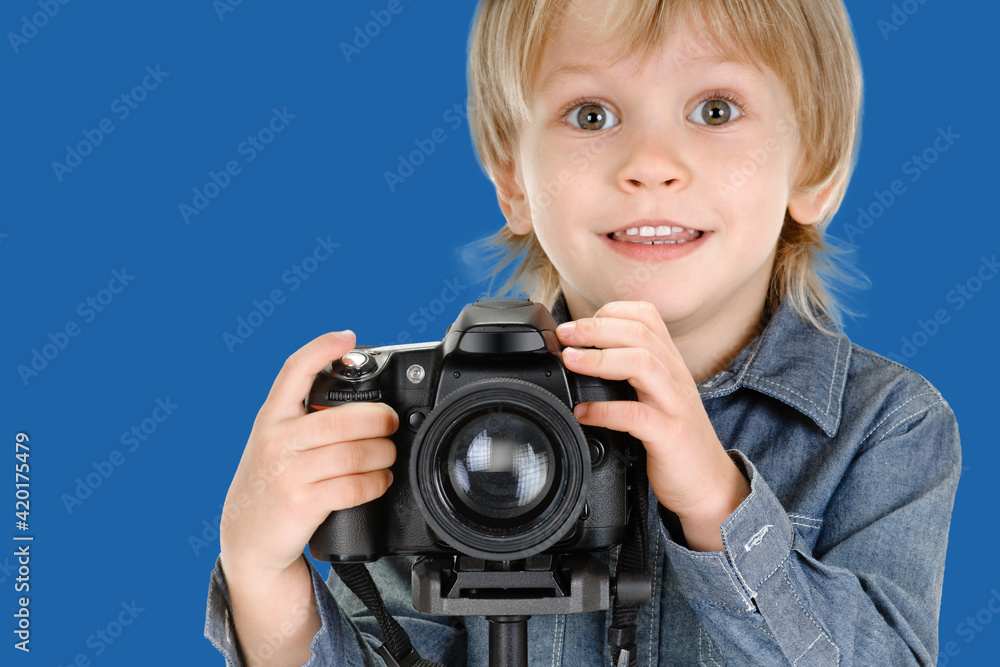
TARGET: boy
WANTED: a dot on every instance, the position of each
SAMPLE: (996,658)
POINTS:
(665,169)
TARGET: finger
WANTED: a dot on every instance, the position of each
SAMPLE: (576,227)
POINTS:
(641,311)
(347,458)
(640,367)
(341,493)
(611,332)
(645,312)
(295,378)
(341,423)
(640,420)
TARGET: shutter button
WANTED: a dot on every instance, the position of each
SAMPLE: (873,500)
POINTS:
(354,366)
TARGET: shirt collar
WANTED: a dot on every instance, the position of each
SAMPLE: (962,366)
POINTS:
(791,361)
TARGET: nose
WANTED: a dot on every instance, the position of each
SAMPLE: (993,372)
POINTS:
(653,159)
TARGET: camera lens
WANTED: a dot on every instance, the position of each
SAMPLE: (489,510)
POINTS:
(500,467)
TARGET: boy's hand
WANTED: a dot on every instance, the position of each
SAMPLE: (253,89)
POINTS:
(689,471)
(299,467)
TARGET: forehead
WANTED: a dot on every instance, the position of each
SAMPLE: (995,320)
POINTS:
(588,36)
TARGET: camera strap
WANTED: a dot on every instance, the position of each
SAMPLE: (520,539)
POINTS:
(397,651)
(632,558)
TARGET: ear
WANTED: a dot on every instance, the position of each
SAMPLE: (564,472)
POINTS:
(512,201)
(807,207)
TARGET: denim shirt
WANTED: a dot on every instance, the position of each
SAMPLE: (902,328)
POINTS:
(835,558)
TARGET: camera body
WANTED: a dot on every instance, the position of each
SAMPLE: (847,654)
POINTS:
(490,461)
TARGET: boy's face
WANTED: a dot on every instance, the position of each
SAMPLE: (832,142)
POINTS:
(682,140)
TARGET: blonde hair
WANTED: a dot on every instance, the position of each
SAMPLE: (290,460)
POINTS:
(807,43)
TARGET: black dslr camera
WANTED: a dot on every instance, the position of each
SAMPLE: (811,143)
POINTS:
(491,463)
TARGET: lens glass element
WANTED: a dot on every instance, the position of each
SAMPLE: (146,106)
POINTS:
(499,466)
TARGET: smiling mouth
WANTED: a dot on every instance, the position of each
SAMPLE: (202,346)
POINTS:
(659,235)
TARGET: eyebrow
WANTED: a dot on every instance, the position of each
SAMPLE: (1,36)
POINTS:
(712,59)
(563,70)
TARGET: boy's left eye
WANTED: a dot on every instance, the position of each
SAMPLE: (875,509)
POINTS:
(591,117)
(715,112)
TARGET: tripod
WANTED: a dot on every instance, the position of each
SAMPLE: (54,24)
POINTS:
(508,593)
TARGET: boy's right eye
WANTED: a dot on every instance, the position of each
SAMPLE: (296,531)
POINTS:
(591,116)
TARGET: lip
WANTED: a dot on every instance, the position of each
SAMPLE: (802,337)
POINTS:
(655,253)
(651,222)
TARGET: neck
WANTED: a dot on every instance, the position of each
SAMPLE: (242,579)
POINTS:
(709,346)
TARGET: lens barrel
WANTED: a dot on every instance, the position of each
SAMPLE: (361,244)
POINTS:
(500,469)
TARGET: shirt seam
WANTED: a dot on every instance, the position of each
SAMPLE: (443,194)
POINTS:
(897,409)
(833,376)
(792,391)
(903,421)
(701,637)
(722,563)
(654,631)
(738,378)
(822,632)
(556,642)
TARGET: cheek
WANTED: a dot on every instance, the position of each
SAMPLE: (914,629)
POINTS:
(556,190)
(753,182)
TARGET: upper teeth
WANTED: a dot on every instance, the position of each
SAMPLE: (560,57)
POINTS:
(663,230)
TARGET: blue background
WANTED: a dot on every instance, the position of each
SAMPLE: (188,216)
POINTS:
(136,536)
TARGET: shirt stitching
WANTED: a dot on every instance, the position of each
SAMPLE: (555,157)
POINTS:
(903,421)
(810,526)
(701,660)
(886,418)
(822,633)
(742,373)
(556,642)
(833,377)
(791,391)
(737,587)
(725,544)
(656,575)
(818,637)
(776,568)
(752,592)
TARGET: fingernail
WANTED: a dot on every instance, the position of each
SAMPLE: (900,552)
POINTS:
(566,329)
(390,477)
(580,410)
(346,334)
(572,353)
